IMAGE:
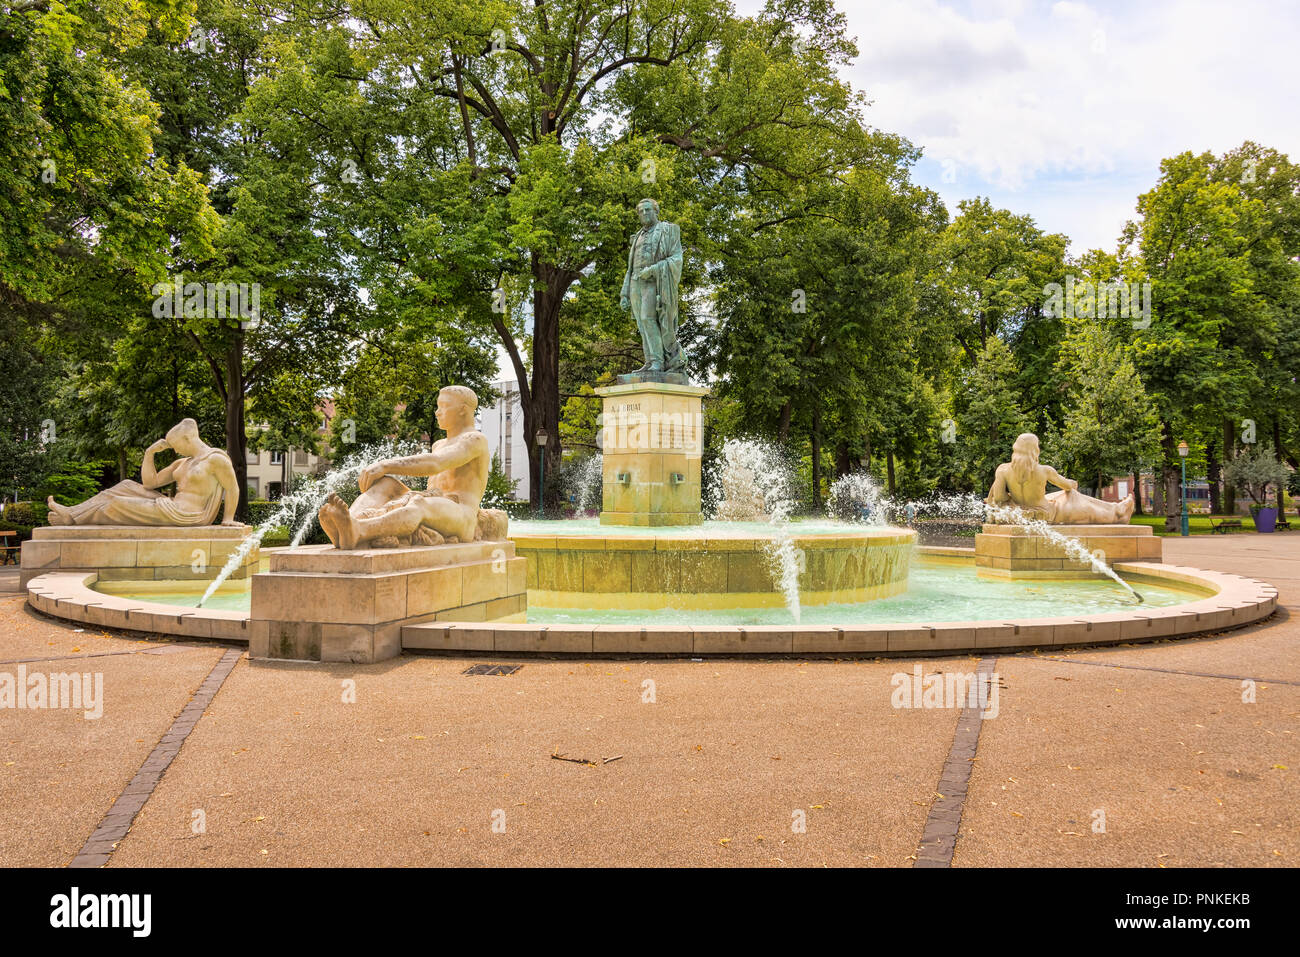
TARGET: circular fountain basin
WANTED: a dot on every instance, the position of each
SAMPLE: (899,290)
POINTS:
(720,566)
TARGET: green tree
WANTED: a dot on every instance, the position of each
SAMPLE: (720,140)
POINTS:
(494,176)
(1208,324)
(991,270)
(1110,425)
(988,413)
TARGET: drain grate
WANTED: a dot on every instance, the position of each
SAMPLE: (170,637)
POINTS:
(491,669)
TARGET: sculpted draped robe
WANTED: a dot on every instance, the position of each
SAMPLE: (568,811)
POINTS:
(654,300)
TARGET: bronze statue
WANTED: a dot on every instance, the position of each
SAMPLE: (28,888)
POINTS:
(650,289)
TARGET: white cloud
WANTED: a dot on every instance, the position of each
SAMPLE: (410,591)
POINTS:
(1027,102)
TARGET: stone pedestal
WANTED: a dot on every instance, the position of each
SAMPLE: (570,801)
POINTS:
(320,604)
(135,552)
(1011,551)
(652,439)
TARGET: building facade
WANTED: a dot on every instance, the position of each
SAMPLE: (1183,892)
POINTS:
(502,423)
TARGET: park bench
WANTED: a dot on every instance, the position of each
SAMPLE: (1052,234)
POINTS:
(1223,526)
(9,546)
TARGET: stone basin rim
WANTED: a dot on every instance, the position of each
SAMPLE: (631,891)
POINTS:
(1235,602)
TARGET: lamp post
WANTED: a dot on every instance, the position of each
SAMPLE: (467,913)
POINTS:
(540,438)
(1182,454)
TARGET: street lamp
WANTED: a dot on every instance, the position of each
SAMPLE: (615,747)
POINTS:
(540,438)
(1182,454)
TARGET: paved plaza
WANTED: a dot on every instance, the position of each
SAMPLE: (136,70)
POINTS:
(1139,755)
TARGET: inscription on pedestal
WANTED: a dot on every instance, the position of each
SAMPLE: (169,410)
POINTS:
(652,437)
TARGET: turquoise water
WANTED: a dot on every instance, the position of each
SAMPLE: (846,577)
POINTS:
(936,592)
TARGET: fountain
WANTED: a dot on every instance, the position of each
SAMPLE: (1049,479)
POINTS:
(414,568)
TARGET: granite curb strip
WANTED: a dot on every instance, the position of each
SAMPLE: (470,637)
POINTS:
(112,829)
(939,839)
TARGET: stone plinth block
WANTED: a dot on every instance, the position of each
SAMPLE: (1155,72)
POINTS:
(136,552)
(1012,551)
(652,439)
(321,604)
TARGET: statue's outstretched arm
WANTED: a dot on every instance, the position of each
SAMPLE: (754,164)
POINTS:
(455,453)
(1059,480)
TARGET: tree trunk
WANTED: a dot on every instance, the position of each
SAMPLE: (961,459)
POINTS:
(817,457)
(542,411)
(783,426)
(1213,474)
(1137,493)
(1229,453)
(1169,478)
(236,439)
(890,484)
(121,465)
(842,464)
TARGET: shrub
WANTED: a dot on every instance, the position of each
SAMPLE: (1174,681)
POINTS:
(276,538)
(1254,470)
(26,513)
(500,488)
(73,483)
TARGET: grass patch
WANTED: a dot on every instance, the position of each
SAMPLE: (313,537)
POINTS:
(1196,524)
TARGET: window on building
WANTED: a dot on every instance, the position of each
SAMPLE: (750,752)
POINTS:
(277,458)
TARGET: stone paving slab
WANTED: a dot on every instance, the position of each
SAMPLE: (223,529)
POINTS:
(1184,771)
(60,773)
(279,764)
(412,772)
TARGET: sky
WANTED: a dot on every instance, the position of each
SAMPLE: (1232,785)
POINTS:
(1063,110)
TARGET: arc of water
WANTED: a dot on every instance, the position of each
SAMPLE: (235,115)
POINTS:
(306,500)
(967,505)
(1069,544)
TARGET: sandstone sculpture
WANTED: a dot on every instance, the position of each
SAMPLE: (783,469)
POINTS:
(1023,482)
(202,475)
(387,513)
(650,290)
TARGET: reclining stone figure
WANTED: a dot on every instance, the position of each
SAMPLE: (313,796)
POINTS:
(387,513)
